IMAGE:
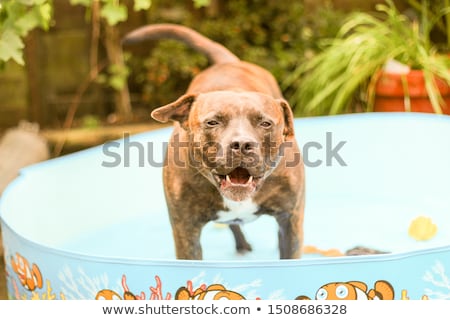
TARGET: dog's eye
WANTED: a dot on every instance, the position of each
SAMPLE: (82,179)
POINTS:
(265,124)
(212,123)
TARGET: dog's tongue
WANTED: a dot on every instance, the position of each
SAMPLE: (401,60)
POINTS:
(239,176)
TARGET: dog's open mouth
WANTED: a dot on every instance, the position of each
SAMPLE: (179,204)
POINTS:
(238,184)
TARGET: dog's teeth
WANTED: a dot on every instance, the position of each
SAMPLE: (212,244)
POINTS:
(228,178)
(250,180)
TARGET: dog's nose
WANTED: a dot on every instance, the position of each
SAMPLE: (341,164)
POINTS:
(243,145)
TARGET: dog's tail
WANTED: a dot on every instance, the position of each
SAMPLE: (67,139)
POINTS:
(215,52)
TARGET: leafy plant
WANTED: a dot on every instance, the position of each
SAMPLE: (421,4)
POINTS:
(274,35)
(111,13)
(201,3)
(436,11)
(17,19)
(348,65)
(114,11)
(106,14)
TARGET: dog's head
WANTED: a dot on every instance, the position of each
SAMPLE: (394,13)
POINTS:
(236,139)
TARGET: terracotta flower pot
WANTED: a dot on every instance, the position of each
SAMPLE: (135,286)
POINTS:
(390,93)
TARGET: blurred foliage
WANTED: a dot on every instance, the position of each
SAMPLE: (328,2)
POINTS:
(17,19)
(201,3)
(271,34)
(90,121)
(114,11)
(437,14)
(342,77)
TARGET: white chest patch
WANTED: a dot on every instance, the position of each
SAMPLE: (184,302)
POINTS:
(238,211)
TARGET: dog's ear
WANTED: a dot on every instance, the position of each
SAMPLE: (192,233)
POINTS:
(288,118)
(175,111)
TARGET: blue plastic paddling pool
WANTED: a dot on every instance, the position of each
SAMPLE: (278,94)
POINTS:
(94,224)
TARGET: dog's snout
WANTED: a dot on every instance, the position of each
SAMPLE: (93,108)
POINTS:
(243,145)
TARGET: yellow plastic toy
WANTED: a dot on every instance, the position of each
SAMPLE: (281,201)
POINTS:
(422,228)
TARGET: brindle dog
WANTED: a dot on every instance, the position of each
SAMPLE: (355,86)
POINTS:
(233,155)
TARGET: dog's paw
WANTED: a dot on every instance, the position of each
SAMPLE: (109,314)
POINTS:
(243,248)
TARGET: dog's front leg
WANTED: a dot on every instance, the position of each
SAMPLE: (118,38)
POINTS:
(187,240)
(289,235)
(242,246)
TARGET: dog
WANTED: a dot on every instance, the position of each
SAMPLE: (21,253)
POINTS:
(232,155)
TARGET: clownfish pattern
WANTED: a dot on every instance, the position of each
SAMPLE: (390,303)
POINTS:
(353,290)
(212,292)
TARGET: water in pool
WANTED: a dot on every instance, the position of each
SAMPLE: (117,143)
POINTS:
(332,225)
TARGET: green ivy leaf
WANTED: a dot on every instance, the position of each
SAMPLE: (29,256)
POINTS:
(46,12)
(201,3)
(10,12)
(86,3)
(27,22)
(142,4)
(39,16)
(11,46)
(31,2)
(114,13)
(117,82)
(118,76)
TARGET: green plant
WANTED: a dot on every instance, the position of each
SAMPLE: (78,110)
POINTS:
(110,13)
(436,11)
(274,35)
(17,19)
(241,25)
(346,69)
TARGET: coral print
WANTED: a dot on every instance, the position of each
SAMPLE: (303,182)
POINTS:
(26,281)
(107,294)
(438,280)
(212,292)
